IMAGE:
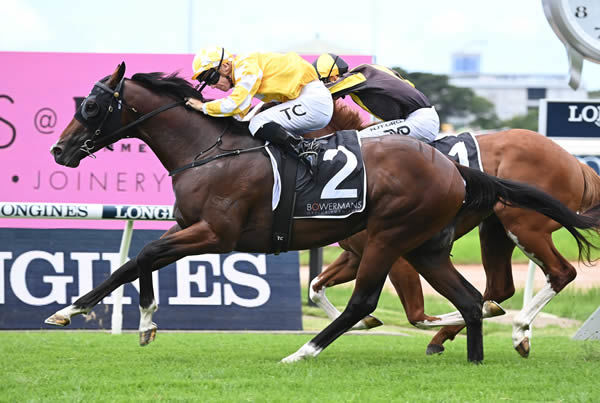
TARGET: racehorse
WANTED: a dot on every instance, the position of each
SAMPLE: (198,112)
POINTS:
(515,154)
(223,181)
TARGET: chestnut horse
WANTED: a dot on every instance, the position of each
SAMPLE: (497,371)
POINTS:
(520,155)
(223,201)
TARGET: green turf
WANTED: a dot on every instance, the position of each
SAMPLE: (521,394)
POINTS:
(570,303)
(93,366)
(90,367)
(466,250)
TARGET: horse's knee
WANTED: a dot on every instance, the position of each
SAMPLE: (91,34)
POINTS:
(148,254)
(501,294)
(559,280)
(361,308)
(414,317)
(473,314)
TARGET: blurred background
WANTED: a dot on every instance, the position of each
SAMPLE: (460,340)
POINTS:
(484,65)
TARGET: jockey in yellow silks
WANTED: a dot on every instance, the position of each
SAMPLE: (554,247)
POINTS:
(384,94)
(303,103)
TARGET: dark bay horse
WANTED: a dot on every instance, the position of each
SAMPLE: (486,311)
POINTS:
(223,203)
(514,154)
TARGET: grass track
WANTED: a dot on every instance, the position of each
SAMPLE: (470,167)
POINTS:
(82,366)
(466,249)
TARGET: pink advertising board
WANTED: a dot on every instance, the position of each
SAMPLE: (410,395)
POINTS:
(38,97)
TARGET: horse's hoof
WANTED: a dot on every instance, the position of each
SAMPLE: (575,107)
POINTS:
(148,336)
(434,349)
(476,362)
(492,309)
(372,321)
(58,320)
(523,348)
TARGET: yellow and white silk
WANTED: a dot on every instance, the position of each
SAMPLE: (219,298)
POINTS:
(266,76)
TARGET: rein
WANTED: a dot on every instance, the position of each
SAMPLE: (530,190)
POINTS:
(143,118)
(116,95)
(218,142)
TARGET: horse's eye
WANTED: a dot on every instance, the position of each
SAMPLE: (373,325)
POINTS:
(91,108)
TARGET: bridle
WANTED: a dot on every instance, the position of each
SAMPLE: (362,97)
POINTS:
(89,115)
(111,122)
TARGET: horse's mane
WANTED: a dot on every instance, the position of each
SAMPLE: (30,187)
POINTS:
(177,87)
(171,85)
(345,118)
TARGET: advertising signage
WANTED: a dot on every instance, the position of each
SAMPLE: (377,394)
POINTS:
(44,270)
(575,125)
(39,93)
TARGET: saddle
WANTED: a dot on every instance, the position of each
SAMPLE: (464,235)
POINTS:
(335,191)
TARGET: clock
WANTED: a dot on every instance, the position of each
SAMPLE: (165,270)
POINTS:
(577,24)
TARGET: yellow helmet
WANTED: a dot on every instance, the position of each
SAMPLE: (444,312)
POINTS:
(328,65)
(209,58)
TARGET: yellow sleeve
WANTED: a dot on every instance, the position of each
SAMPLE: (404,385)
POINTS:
(247,77)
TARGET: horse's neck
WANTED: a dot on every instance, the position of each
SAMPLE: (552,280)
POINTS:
(178,135)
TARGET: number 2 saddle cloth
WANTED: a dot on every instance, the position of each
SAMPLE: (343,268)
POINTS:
(338,187)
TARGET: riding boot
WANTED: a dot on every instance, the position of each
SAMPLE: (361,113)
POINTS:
(292,144)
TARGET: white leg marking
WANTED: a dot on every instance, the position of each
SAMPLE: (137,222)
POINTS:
(490,309)
(522,322)
(319,298)
(309,350)
(528,254)
(71,311)
(146,316)
(63,317)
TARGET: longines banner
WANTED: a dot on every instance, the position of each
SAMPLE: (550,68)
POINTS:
(570,119)
(39,93)
(43,270)
(575,126)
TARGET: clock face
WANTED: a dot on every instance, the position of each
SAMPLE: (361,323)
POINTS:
(585,14)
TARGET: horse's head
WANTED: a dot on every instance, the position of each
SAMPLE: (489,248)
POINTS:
(96,121)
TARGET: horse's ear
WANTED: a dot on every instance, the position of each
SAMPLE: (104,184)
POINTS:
(117,75)
(121,70)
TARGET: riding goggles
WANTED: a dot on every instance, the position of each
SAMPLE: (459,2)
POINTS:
(210,76)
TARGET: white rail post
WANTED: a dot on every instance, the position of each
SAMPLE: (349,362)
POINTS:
(117,312)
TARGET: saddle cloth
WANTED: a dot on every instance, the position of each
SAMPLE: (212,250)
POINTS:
(462,148)
(338,188)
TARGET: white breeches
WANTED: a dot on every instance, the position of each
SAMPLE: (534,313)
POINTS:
(312,110)
(423,124)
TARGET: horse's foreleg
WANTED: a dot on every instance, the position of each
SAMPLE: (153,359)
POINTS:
(342,270)
(559,272)
(83,305)
(125,274)
(372,271)
(496,255)
(407,284)
(532,233)
(435,266)
(196,239)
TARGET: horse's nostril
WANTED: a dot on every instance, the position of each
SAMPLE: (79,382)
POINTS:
(56,151)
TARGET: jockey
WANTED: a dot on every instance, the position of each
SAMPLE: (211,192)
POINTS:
(384,94)
(303,103)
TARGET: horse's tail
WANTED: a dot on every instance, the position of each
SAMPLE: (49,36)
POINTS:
(484,191)
(591,190)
